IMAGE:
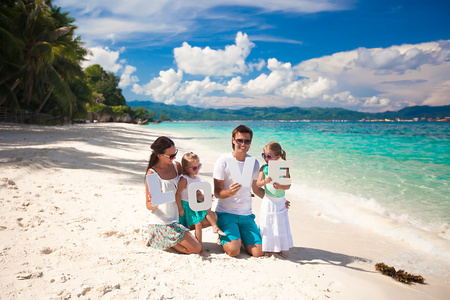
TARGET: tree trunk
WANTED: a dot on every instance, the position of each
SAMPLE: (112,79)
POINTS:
(15,84)
(45,101)
(36,113)
(12,75)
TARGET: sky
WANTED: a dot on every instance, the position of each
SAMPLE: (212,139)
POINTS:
(366,55)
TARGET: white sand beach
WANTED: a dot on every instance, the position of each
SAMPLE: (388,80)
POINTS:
(73,225)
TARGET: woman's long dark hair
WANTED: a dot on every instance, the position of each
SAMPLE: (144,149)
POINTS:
(159,146)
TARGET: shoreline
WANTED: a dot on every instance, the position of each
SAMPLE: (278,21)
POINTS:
(74,222)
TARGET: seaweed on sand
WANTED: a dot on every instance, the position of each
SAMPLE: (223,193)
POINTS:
(399,275)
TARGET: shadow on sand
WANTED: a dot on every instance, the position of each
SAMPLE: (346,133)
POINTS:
(301,255)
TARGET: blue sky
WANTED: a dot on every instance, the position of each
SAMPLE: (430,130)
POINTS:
(372,55)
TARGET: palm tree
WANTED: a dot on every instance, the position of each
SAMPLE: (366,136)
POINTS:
(40,58)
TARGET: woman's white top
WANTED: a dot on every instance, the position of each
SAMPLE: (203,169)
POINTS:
(166,213)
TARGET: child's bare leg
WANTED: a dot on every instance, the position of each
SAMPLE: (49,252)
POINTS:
(198,235)
(212,218)
(198,232)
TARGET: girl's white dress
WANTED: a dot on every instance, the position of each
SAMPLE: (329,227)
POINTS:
(274,222)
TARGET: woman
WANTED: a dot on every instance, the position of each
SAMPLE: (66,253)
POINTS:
(164,229)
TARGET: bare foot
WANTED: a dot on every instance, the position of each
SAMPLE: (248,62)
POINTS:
(203,253)
(282,254)
(217,230)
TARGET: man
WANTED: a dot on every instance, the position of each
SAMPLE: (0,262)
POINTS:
(234,208)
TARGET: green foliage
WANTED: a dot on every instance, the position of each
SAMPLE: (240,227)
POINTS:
(105,84)
(100,109)
(40,59)
(140,113)
(423,111)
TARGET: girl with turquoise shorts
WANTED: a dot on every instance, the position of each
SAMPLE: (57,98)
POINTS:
(190,166)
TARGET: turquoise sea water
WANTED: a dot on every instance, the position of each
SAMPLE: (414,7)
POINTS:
(355,172)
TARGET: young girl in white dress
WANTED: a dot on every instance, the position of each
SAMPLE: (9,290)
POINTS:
(190,166)
(274,221)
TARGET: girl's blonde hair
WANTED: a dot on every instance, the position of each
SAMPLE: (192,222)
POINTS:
(185,160)
(276,149)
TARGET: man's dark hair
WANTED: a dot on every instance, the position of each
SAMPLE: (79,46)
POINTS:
(241,129)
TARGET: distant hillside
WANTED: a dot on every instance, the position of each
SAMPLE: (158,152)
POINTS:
(190,113)
(417,112)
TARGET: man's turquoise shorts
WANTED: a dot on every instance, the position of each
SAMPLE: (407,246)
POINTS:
(238,227)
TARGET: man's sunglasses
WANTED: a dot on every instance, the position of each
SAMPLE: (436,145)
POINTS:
(172,156)
(196,167)
(240,141)
(268,156)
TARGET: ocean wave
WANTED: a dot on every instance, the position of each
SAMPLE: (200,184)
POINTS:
(339,207)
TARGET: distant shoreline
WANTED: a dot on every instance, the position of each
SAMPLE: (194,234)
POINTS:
(446,119)
(191,113)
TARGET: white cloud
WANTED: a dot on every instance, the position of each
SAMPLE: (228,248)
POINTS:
(306,89)
(280,75)
(273,39)
(126,79)
(112,37)
(240,102)
(257,66)
(362,79)
(193,92)
(341,98)
(161,88)
(209,62)
(395,59)
(439,95)
(376,102)
(104,57)
(101,18)
(388,78)
(390,60)
(327,65)
(234,86)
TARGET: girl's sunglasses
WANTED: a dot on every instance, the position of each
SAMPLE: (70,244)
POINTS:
(172,156)
(268,156)
(240,141)
(196,167)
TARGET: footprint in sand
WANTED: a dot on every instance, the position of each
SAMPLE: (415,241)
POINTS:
(111,233)
(11,184)
(84,291)
(28,275)
(109,288)
(47,251)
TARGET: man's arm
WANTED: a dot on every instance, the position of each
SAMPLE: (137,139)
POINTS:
(219,192)
(258,191)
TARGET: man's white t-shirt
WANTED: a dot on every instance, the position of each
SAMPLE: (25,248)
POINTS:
(241,203)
